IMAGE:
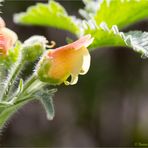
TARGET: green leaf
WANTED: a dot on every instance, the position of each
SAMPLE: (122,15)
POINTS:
(51,14)
(116,12)
(138,40)
(7,112)
(90,9)
(103,36)
(48,105)
(46,99)
(20,86)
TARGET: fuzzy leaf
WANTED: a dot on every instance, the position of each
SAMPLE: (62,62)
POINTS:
(103,36)
(7,112)
(51,14)
(46,99)
(138,40)
(48,105)
(116,12)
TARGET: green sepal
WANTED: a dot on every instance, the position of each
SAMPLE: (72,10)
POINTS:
(43,68)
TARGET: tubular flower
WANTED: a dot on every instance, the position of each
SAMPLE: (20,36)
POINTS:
(7,38)
(57,65)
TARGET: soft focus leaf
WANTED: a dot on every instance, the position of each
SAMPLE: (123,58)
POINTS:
(116,12)
(50,14)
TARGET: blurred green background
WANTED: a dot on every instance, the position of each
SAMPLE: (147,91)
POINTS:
(108,106)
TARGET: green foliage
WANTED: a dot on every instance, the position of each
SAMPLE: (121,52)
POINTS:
(14,91)
(138,40)
(7,111)
(116,12)
(48,105)
(31,90)
(103,18)
(51,14)
(103,36)
(47,102)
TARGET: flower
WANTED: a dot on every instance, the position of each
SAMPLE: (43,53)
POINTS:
(58,64)
(7,38)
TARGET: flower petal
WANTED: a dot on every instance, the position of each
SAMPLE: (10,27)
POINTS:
(86,62)
(83,41)
(74,80)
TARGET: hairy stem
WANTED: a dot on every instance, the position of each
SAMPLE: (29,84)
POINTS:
(12,76)
(32,79)
(27,85)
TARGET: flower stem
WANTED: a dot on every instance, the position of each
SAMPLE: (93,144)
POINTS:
(12,76)
(29,82)
(31,86)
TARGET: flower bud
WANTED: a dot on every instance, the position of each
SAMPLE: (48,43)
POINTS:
(58,64)
(34,47)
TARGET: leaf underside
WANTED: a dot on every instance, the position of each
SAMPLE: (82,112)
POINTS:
(104,36)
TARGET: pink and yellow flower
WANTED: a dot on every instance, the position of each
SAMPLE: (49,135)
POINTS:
(58,64)
(7,38)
